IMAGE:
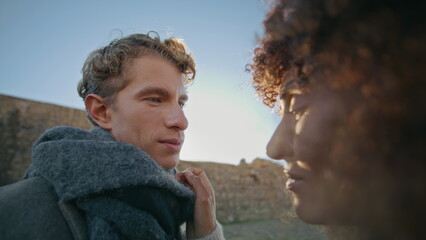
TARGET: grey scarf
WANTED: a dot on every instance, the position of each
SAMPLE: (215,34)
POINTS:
(124,193)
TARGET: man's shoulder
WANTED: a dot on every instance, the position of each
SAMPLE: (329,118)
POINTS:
(29,210)
(24,187)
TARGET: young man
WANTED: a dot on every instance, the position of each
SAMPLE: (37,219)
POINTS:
(350,79)
(118,180)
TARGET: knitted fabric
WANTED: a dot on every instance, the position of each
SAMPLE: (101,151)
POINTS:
(91,168)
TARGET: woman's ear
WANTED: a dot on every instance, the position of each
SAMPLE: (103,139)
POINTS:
(97,109)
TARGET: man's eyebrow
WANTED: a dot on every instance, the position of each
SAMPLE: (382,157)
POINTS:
(159,91)
(151,91)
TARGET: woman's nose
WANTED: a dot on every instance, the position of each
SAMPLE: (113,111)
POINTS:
(281,143)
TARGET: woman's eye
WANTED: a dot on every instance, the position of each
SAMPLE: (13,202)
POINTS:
(299,105)
(298,113)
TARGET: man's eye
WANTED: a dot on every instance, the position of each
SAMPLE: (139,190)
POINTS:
(182,104)
(153,99)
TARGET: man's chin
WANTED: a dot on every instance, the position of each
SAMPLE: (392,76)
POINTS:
(168,163)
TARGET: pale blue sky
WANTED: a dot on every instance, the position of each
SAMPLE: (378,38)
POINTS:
(44,43)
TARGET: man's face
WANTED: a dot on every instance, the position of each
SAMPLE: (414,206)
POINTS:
(304,138)
(148,113)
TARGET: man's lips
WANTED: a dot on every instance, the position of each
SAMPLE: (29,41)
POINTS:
(172,143)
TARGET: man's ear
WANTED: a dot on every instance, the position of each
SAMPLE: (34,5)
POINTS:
(97,109)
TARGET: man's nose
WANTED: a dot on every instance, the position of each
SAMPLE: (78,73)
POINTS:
(280,145)
(175,118)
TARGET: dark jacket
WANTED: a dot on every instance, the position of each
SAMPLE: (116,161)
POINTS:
(30,209)
(84,184)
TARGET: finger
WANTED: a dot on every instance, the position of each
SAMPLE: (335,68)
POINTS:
(201,173)
(204,219)
(197,184)
(180,177)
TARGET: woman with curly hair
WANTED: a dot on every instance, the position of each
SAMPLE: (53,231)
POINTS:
(349,78)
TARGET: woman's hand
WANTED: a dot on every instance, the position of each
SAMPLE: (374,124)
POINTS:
(203,222)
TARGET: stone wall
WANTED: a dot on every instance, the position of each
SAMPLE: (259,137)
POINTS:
(245,192)
(21,123)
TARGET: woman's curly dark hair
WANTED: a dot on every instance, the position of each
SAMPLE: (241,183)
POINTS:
(299,33)
(372,52)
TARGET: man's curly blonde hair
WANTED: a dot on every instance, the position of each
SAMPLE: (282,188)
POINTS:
(104,67)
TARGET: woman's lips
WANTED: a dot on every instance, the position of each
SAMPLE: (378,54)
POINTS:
(294,184)
(295,179)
